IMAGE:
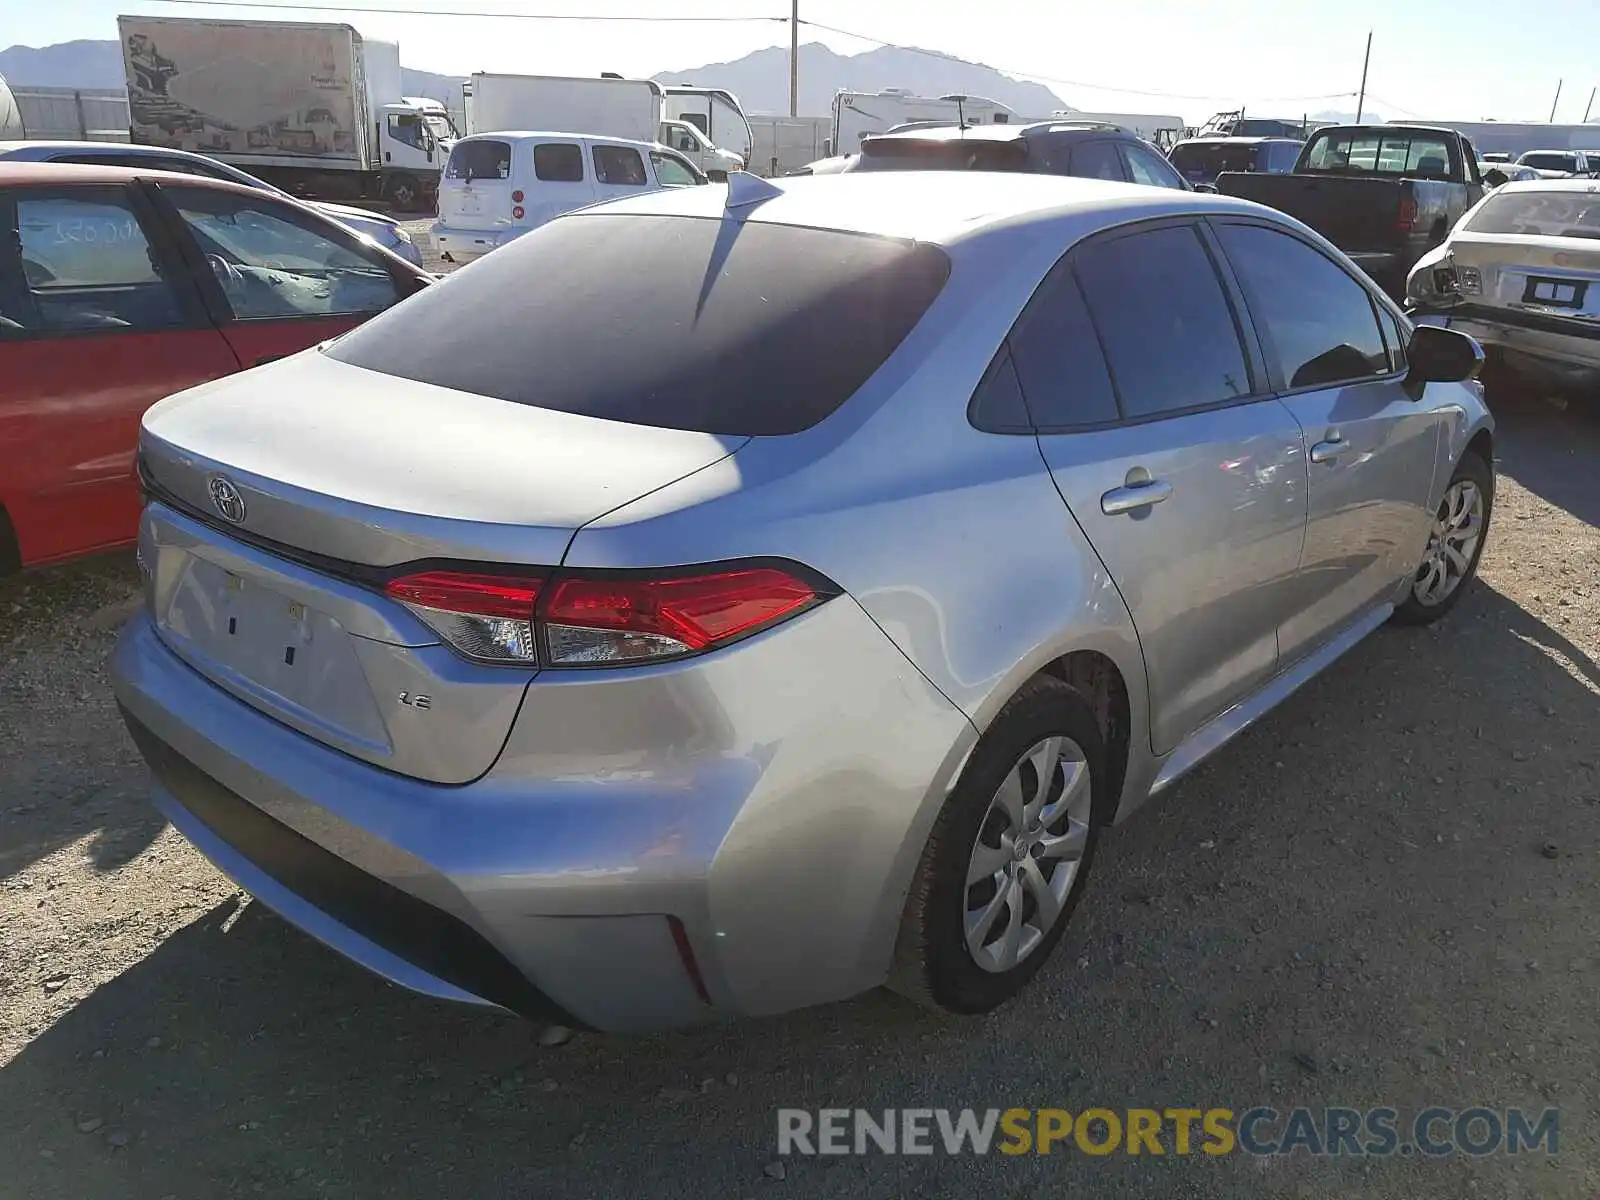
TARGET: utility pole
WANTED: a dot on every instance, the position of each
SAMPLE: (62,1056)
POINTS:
(1589,105)
(1361,100)
(1555,102)
(794,58)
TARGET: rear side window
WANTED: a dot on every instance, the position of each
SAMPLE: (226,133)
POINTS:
(618,165)
(676,322)
(483,159)
(1149,168)
(1164,320)
(1058,358)
(558,162)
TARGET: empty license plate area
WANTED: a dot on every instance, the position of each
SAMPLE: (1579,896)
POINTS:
(1555,293)
(279,654)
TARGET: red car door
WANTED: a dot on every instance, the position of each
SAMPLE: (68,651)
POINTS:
(99,319)
(279,277)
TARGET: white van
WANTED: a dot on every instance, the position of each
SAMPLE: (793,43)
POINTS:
(497,186)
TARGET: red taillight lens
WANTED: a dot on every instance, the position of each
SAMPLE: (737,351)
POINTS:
(1407,216)
(488,617)
(516,196)
(613,619)
(628,619)
(517,212)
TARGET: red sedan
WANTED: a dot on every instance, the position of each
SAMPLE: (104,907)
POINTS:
(119,287)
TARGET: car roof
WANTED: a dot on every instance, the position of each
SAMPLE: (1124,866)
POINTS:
(1557,150)
(1549,185)
(943,207)
(32,149)
(22,173)
(525,135)
(1006,133)
(1236,141)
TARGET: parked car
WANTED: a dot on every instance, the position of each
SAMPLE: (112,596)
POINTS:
(384,230)
(731,599)
(1088,150)
(1494,174)
(1385,194)
(1201,160)
(498,186)
(1521,273)
(119,287)
(1561,164)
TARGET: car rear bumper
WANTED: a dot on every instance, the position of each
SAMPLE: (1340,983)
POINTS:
(458,244)
(1550,347)
(749,854)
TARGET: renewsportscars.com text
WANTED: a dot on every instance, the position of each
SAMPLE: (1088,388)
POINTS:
(1334,1131)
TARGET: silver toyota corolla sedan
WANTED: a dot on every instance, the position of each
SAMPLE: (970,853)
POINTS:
(735,598)
(1521,274)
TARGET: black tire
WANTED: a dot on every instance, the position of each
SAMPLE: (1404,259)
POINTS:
(1413,611)
(402,192)
(933,966)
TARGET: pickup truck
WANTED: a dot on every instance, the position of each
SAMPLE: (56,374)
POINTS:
(1384,194)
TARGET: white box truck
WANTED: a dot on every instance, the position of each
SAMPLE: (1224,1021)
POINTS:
(313,108)
(604,106)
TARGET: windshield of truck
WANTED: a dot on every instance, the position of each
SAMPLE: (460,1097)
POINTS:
(440,125)
(1367,152)
(1538,214)
(481,158)
(1550,160)
(675,322)
(941,154)
(1202,163)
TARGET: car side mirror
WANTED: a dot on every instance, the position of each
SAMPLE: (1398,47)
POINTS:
(1206,187)
(1494,178)
(1439,355)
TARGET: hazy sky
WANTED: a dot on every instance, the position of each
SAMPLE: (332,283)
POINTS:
(1466,60)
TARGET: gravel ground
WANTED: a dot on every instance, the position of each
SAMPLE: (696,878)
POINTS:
(1386,893)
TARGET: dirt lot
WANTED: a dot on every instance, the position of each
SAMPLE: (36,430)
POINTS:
(1387,893)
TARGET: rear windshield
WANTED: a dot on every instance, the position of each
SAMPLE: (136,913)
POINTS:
(1207,162)
(1539,214)
(1550,161)
(485,159)
(1370,152)
(677,322)
(940,154)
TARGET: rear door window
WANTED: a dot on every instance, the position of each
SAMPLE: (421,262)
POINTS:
(1058,360)
(619,166)
(1097,160)
(83,264)
(1149,168)
(664,321)
(1168,330)
(483,158)
(558,162)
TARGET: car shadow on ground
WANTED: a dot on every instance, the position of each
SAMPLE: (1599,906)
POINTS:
(1327,913)
(1550,448)
(67,768)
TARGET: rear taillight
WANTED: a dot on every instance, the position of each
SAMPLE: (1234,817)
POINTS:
(603,619)
(518,212)
(516,196)
(1406,218)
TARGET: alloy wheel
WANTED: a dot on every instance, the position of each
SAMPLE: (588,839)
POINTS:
(1452,544)
(1027,853)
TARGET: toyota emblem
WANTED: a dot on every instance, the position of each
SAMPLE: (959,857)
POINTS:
(225,498)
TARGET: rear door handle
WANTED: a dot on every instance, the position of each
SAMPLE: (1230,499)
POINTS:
(1329,451)
(1134,497)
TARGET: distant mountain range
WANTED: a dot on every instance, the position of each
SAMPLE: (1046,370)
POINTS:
(760,79)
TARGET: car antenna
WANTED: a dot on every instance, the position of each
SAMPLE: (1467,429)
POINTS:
(746,188)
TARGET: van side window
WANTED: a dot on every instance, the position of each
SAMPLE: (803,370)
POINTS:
(558,162)
(619,166)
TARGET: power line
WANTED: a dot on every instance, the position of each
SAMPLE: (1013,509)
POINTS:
(455,12)
(1077,83)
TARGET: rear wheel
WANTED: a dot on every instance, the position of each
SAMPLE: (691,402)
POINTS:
(1455,544)
(1008,856)
(402,191)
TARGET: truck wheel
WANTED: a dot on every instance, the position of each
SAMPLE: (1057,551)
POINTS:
(402,192)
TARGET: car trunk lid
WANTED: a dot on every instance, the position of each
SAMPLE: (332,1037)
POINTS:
(291,493)
(1549,276)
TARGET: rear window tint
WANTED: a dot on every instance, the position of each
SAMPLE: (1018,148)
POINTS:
(558,162)
(676,322)
(486,159)
(618,165)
